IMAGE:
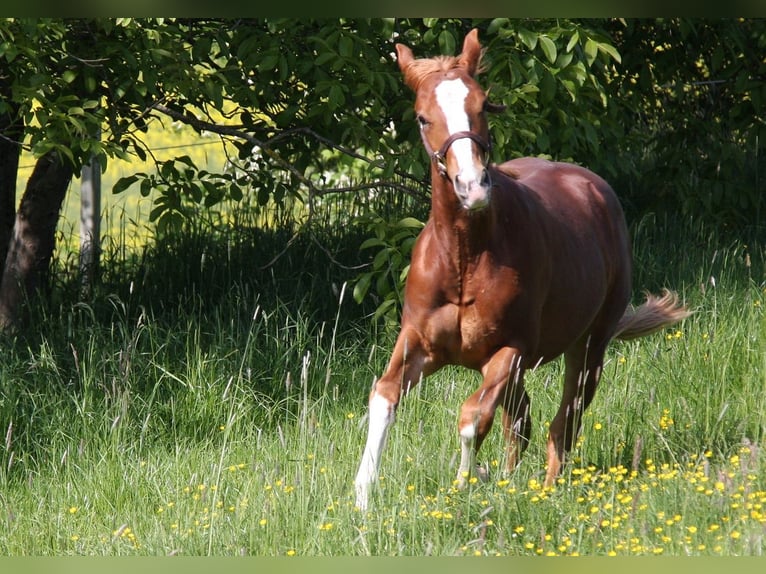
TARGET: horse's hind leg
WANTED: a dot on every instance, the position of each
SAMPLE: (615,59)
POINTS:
(583,369)
(501,373)
(517,423)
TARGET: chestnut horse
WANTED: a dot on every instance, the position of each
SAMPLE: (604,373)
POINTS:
(518,263)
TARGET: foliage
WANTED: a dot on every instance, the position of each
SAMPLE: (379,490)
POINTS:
(393,242)
(308,107)
(689,97)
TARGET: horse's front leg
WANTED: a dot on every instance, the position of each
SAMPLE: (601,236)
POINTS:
(502,381)
(408,365)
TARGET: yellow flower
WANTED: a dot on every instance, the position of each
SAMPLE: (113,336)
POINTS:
(290,552)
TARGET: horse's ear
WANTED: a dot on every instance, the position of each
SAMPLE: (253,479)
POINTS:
(403,56)
(471,54)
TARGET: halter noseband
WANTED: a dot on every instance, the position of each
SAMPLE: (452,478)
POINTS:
(440,157)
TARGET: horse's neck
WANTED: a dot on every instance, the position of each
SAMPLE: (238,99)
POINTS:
(466,233)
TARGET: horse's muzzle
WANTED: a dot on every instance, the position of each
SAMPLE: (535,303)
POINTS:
(473,194)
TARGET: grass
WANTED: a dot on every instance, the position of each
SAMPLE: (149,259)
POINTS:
(212,408)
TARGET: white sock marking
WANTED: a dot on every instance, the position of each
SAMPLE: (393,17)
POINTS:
(381,416)
(467,456)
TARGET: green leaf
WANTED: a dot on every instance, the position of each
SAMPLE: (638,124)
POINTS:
(146,187)
(611,51)
(496,24)
(157,212)
(381,258)
(573,41)
(362,286)
(195,191)
(268,62)
(547,88)
(371,242)
(591,51)
(549,48)
(235,192)
(384,308)
(336,96)
(124,183)
(325,57)
(185,159)
(528,38)
(447,42)
(410,222)
(346,47)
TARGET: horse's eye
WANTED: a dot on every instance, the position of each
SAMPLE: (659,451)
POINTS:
(422,121)
(491,108)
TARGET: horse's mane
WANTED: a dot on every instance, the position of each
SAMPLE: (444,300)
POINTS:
(419,69)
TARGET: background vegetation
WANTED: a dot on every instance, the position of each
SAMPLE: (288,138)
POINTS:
(209,396)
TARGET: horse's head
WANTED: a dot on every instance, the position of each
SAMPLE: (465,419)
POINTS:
(451,110)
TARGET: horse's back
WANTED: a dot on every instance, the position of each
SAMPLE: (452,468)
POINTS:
(552,177)
(584,230)
(573,195)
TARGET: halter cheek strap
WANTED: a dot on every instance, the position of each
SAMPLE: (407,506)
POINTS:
(440,157)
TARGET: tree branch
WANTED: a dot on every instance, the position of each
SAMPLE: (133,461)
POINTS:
(239,132)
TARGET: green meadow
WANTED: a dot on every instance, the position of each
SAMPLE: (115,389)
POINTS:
(210,399)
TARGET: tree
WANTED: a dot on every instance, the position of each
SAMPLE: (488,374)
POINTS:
(62,81)
(690,94)
(300,99)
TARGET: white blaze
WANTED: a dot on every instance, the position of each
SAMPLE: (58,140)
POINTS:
(451,95)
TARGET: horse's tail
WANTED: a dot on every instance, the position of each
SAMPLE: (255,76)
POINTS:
(655,314)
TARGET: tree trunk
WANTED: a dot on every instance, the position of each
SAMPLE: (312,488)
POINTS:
(11,132)
(9,167)
(33,238)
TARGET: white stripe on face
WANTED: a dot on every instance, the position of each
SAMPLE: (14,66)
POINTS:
(451,95)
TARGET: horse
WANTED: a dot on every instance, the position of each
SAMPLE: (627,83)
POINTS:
(518,264)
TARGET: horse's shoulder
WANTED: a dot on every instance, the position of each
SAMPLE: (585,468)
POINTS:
(522,167)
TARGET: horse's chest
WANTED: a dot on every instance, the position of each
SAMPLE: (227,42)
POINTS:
(478,321)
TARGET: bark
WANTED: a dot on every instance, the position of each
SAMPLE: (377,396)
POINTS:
(11,132)
(33,238)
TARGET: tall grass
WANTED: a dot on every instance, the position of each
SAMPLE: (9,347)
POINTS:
(205,402)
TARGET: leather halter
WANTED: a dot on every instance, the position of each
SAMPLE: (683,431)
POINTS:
(440,157)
